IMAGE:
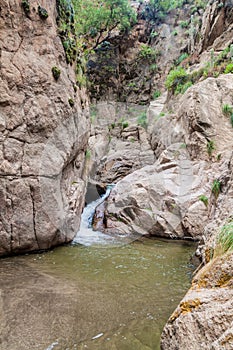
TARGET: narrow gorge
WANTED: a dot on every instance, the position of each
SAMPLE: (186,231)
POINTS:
(138,104)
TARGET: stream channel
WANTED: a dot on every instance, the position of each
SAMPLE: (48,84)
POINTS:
(98,293)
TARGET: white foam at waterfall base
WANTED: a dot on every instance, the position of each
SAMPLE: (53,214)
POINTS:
(86,236)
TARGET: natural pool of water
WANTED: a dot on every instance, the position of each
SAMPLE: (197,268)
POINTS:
(97,298)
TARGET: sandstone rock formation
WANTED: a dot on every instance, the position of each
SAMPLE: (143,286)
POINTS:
(119,144)
(164,199)
(43,136)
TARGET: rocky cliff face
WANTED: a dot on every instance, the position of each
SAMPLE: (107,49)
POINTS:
(164,199)
(43,132)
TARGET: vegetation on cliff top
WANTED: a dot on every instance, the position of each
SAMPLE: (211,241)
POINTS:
(156,10)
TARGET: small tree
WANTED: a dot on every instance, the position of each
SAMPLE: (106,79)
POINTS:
(97,19)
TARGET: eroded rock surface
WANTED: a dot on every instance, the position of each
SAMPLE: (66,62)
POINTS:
(164,199)
(42,138)
(119,144)
(204,318)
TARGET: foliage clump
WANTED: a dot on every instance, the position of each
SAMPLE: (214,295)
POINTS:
(216,188)
(225,239)
(229,68)
(95,20)
(204,200)
(26,6)
(156,94)
(210,147)
(176,80)
(43,13)
(56,72)
(147,52)
(179,80)
(71,102)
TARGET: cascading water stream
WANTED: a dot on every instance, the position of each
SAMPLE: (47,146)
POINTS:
(86,236)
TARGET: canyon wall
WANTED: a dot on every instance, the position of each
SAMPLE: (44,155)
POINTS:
(44,129)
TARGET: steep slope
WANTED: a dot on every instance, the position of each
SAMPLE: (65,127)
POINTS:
(43,131)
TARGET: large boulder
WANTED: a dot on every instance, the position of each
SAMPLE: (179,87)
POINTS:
(43,133)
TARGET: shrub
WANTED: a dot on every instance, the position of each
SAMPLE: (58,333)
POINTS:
(210,147)
(88,154)
(181,88)
(124,124)
(56,72)
(43,13)
(225,239)
(175,32)
(229,68)
(71,102)
(176,77)
(156,94)
(181,58)
(184,24)
(153,67)
(216,188)
(227,109)
(26,6)
(204,199)
(147,52)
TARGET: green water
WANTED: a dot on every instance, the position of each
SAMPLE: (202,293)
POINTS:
(75,297)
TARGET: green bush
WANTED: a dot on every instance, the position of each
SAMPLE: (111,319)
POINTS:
(229,68)
(216,188)
(71,102)
(204,199)
(147,52)
(181,88)
(225,239)
(124,124)
(184,24)
(181,58)
(56,72)
(175,32)
(227,109)
(176,77)
(210,147)
(43,13)
(26,6)
(156,94)
(88,154)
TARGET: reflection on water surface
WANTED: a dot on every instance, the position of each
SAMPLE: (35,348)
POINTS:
(79,297)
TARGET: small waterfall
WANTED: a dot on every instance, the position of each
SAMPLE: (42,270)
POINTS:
(86,236)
